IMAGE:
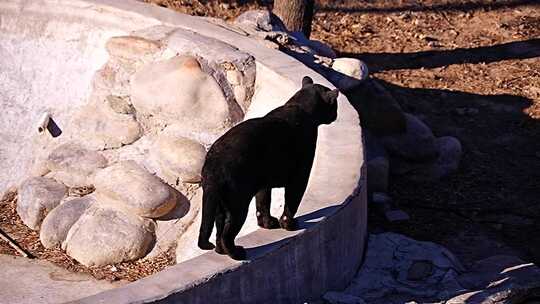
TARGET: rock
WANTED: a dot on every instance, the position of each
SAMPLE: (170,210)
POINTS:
(416,144)
(58,222)
(419,270)
(378,165)
(112,78)
(131,187)
(325,50)
(256,19)
(333,297)
(109,236)
(396,215)
(131,47)
(396,268)
(351,67)
(71,164)
(99,127)
(120,105)
(180,159)
(447,162)
(499,279)
(379,112)
(37,197)
(171,228)
(234,77)
(178,91)
(381,198)
(382,203)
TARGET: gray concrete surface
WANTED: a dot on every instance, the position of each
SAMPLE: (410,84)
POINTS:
(25,281)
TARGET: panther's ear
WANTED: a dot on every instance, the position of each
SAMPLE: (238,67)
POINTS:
(306,81)
(331,96)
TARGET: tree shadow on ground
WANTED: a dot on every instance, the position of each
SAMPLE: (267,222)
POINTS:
(365,7)
(378,62)
(495,190)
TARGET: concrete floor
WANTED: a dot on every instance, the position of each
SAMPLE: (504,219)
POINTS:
(33,281)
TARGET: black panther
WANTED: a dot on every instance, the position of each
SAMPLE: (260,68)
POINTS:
(259,154)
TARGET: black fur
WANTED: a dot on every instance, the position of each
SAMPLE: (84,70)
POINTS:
(257,155)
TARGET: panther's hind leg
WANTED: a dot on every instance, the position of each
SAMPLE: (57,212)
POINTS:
(263,200)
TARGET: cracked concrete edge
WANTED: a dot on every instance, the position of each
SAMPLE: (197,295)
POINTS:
(284,266)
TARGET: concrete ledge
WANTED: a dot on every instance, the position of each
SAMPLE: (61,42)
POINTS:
(283,267)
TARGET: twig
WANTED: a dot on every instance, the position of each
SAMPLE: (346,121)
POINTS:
(6,238)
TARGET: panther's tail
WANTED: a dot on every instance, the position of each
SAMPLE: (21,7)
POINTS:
(209,206)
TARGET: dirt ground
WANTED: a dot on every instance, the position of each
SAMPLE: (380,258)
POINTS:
(469,69)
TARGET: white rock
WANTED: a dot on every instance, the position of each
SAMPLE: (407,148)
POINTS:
(109,236)
(177,90)
(99,127)
(57,223)
(131,47)
(71,164)
(131,187)
(180,159)
(257,19)
(351,67)
(37,197)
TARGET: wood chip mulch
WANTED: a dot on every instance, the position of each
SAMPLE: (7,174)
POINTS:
(28,240)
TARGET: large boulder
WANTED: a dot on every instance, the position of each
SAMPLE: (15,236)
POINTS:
(377,164)
(379,111)
(180,159)
(449,156)
(177,90)
(129,186)
(71,164)
(351,67)
(37,197)
(56,225)
(395,264)
(416,144)
(105,236)
(99,127)
(499,279)
(131,47)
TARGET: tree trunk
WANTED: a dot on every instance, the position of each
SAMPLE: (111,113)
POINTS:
(295,14)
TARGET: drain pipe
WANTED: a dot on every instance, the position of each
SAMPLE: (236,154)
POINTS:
(43,122)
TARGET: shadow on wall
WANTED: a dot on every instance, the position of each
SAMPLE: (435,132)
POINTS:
(365,7)
(304,223)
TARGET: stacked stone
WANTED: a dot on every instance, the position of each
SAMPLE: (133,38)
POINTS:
(163,96)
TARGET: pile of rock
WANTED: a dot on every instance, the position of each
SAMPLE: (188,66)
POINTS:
(164,95)
(115,223)
(398,269)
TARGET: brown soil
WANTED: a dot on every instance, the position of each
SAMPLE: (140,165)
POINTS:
(470,69)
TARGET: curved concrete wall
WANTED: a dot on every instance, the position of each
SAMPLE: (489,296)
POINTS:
(283,266)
